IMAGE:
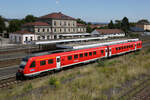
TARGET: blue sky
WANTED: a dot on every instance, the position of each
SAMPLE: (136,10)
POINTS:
(88,10)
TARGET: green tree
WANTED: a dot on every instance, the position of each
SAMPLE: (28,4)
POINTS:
(30,18)
(143,21)
(117,24)
(111,25)
(125,25)
(81,21)
(89,29)
(15,25)
(2,24)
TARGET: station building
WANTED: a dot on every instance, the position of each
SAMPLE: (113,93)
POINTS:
(49,27)
(144,26)
(108,33)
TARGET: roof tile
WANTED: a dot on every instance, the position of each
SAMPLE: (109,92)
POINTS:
(109,31)
(57,16)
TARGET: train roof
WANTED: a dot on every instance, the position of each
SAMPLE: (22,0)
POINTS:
(83,47)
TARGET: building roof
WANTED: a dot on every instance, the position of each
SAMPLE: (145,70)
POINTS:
(23,32)
(36,24)
(109,31)
(79,24)
(58,15)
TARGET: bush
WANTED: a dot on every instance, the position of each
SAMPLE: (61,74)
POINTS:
(147,51)
(54,81)
(28,87)
(101,63)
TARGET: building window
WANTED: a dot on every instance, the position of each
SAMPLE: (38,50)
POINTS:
(26,39)
(60,24)
(60,30)
(68,24)
(31,38)
(54,30)
(20,39)
(38,37)
(48,37)
(54,23)
(38,30)
(43,37)
(48,30)
(69,29)
(64,23)
(64,30)
(43,30)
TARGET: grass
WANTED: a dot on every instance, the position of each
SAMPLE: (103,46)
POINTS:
(103,80)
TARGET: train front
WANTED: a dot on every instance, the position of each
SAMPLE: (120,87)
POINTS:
(21,69)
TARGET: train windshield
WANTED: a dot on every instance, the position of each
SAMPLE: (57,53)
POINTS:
(23,63)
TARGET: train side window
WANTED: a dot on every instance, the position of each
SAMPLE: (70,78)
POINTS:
(94,53)
(86,54)
(42,63)
(90,53)
(69,57)
(102,51)
(119,48)
(116,48)
(81,55)
(50,61)
(75,56)
(32,64)
(58,59)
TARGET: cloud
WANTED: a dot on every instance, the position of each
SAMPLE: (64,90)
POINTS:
(57,1)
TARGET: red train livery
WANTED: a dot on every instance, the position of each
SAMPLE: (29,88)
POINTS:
(36,64)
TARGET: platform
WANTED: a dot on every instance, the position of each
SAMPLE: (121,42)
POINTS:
(68,40)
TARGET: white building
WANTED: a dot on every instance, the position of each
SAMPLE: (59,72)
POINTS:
(22,37)
(108,32)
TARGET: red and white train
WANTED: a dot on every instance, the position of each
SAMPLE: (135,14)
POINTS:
(35,64)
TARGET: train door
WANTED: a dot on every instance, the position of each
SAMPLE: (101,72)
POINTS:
(135,46)
(109,52)
(58,62)
(106,52)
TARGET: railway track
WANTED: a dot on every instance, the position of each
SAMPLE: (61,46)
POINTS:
(139,92)
(5,83)
(10,62)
